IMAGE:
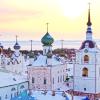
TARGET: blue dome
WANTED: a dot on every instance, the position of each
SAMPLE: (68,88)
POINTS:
(16,46)
(91,44)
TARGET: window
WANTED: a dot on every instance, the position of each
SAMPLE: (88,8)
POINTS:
(11,96)
(13,89)
(33,79)
(6,96)
(85,72)
(63,78)
(53,80)
(58,79)
(22,87)
(84,89)
(0,97)
(45,81)
(86,59)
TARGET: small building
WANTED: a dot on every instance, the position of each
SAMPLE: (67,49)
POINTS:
(11,85)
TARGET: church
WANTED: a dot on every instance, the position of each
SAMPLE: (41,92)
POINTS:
(47,71)
(86,68)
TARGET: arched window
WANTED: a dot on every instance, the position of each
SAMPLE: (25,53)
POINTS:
(13,89)
(45,81)
(53,80)
(6,96)
(86,58)
(58,79)
(33,79)
(63,78)
(22,86)
(85,72)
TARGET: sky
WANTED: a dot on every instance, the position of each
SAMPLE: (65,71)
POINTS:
(67,19)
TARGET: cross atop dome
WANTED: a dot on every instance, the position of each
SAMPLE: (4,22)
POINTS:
(89,30)
(47,26)
(47,40)
(89,17)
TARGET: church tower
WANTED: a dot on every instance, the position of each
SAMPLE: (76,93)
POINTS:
(87,65)
(17,48)
(47,41)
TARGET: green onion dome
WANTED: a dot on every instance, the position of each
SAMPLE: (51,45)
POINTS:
(47,40)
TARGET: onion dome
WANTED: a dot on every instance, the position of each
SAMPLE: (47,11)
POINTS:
(91,44)
(47,40)
(16,46)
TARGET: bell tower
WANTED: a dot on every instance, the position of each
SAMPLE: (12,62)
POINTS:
(87,66)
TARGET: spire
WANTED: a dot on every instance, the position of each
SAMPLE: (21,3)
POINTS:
(89,17)
(47,27)
(16,46)
(89,30)
(16,38)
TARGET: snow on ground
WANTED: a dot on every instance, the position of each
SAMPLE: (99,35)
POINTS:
(40,96)
(58,96)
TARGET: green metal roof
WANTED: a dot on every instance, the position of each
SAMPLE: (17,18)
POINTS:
(47,40)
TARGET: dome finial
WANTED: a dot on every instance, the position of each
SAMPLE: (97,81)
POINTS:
(89,17)
(47,27)
(16,38)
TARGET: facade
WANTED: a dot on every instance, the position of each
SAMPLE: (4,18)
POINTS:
(87,66)
(11,85)
(47,71)
(47,77)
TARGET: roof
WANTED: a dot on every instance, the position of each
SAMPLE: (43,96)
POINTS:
(7,79)
(90,43)
(47,39)
(41,60)
(16,46)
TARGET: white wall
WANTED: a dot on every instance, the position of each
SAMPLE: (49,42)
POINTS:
(7,90)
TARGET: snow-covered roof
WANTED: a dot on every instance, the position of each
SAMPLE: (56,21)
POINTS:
(7,79)
(42,61)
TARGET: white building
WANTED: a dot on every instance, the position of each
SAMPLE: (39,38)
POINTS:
(87,66)
(11,85)
(13,62)
(47,71)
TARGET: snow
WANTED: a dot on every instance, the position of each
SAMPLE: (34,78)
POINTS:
(7,79)
(48,96)
(58,96)
(42,61)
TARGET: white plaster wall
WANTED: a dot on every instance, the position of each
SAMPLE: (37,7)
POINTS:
(58,71)
(49,72)
(39,73)
(7,90)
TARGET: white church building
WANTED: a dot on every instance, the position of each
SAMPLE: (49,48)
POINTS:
(47,71)
(86,69)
